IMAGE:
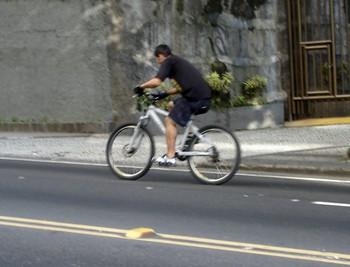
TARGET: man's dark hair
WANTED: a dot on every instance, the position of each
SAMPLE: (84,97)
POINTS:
(162,49)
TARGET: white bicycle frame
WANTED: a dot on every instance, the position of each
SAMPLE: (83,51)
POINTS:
(152,113)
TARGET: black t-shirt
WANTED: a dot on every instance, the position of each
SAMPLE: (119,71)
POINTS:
(194,87)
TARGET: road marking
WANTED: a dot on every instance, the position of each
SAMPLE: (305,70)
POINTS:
(331,204)
(310,179)
(271,176)
(178,240)
(141,232)
(55,162)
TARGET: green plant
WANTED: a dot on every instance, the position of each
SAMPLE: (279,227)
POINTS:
(143,102)
(240,101)
(222,91)
(14,120)
(220,83)
(253,89)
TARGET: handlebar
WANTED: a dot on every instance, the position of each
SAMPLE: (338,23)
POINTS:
(149,97)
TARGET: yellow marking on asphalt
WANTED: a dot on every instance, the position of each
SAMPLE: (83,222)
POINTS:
(58,229)
(68,225)
(149,235)
(254,246)
(140,233)
(248,250)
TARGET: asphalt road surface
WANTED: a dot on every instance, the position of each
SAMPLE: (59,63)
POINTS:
(76,215)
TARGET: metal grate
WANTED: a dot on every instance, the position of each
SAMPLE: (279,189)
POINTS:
(342,46)
(319,32)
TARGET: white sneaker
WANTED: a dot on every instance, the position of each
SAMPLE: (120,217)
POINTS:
(165,161)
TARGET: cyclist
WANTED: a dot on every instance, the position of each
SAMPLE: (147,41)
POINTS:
(195,92)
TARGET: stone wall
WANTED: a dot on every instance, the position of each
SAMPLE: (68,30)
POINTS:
(248,36)
(53,62)
(76,61)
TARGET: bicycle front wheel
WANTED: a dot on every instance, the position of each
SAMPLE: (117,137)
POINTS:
(130,161)
(224,156)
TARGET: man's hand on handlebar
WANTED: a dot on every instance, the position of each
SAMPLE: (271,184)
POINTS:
(158,96)
(138,90)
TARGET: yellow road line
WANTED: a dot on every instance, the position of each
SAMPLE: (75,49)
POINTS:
(68,225)
(188,241)
(59,229)
(256,246)
(251,251)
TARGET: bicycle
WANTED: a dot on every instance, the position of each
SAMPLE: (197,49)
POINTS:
(213,153)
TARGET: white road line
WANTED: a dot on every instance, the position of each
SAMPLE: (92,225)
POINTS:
(294,178)
(269,176)
(331,204)
(55,162)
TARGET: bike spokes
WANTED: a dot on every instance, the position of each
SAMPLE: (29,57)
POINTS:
(130,155)
(224,157)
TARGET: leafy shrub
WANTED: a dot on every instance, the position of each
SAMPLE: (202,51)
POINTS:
(253,88)
(240,101)
(222,91)
(223,95)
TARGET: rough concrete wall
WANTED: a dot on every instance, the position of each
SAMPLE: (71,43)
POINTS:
(53,61)
(246,37)
(77,60)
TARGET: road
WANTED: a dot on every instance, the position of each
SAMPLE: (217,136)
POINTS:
(52,214)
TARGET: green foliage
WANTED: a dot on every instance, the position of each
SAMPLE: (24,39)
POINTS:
(14,120)
(240,101)
(143,102)
(222,91)
(253,88)
(220,83)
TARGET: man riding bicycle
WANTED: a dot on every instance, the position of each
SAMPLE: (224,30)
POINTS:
(196,95)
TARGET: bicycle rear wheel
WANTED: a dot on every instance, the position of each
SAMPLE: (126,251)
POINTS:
(223,163)
(126,162)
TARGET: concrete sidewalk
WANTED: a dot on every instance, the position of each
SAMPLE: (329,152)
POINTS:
(315,149)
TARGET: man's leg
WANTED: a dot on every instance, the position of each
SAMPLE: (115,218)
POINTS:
(171,133)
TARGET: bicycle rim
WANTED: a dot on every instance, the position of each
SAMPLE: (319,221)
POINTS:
(126,164)
(221,166)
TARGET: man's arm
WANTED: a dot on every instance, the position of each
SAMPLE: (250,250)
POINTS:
(172,91)
(153,83)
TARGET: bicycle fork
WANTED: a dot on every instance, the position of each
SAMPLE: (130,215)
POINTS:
(135,140)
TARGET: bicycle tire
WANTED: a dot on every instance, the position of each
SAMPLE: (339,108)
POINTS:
(122,171)
(206,169)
